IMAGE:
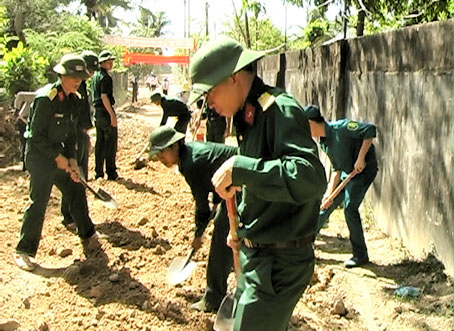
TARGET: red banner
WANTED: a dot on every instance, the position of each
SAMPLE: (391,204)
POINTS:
(133,58)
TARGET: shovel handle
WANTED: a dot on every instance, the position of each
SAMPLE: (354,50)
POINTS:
(232,213)
(85,184)
(141,152)
(342,185)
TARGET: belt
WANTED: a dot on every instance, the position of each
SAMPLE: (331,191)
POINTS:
(281,244)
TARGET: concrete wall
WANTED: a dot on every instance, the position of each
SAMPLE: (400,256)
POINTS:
(404,83)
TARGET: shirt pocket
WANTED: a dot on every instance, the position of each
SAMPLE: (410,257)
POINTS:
(58,128)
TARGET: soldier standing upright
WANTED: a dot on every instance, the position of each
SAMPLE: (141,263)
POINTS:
(105,119)
(50,158)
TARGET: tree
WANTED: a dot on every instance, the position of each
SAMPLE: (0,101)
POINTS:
(266,37)
(150,24)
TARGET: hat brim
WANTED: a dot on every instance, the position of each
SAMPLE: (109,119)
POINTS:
(154,150)
(59,69)
(199,88)
(101,60)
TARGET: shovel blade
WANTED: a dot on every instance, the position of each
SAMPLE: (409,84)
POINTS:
(180,270)
(107,199)
(226,314)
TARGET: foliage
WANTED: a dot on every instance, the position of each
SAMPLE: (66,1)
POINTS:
(72,35)
(264,35)
(150,24)
(22,69)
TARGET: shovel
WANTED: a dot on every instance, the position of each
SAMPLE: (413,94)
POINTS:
(180,269)
(102,195)
(226,313)
(138,162)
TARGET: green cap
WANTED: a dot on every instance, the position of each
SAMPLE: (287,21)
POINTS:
(155,96)
(312,113)
(106,56)
(163,137)
(73,66)
(215,61)
(91,59)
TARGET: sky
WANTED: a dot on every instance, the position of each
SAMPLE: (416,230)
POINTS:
(219,11)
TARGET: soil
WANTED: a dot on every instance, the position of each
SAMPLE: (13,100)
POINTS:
(123,287)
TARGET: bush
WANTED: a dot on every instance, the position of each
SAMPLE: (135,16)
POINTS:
(21,69)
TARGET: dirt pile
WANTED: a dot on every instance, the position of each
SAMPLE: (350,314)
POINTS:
(9,139)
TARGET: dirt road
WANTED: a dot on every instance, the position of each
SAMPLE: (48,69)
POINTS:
(123,287)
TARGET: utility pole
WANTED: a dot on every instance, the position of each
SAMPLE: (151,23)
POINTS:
(184,18)
(345,18)
(206,19)
(285,34)
(189,18)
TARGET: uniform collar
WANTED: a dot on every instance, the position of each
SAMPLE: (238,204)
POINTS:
(328,130)
(257,88)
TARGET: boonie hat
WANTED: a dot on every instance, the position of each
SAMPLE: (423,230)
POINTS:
(73,66)
(163,137)
(106,56)
(91,59)
(215,61)
(312,113)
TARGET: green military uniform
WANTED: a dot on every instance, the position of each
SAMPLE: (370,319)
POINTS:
(50,132)
(106,135)
(216,125)
(175,107)
(283,181)
(342,143)
(198,163)
(83,123)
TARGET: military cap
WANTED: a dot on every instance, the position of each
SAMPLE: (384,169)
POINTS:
(163,137)
(106,56)
(73,66)
(312,113)
(91,59)
(155,96)
(215,61)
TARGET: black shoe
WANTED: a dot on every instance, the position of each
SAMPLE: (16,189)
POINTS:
(355,262)
(70,226)
(98,176)
(203,306)
(113,177)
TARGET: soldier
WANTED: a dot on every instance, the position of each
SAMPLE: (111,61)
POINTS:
(22,104)
(105,119)
(165,86)
(83,124)
(135,89)
(349,147)
(281,177)
(50,158)
(216,125)
(197,162)
(172,107)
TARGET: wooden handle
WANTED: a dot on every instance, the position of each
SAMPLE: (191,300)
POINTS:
(232,213)
(342,185)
